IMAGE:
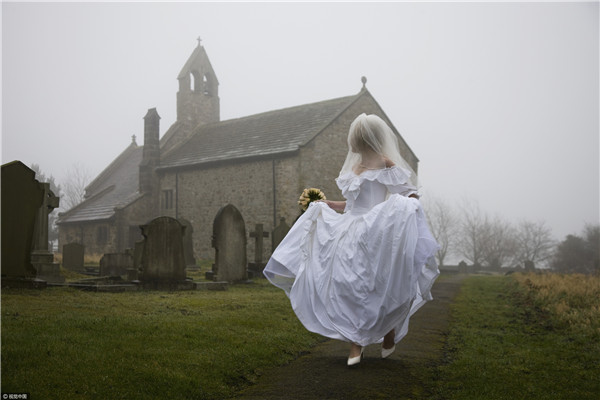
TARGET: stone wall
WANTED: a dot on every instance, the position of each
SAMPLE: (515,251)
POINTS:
(198,194)
(99,237)
(113,235)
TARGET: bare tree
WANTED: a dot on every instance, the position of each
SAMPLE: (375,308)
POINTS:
(472,234)
(78,177)
(443,224)
(498,243)
(534,242)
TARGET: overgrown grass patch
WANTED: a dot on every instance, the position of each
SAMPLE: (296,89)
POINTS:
(65,343)
(503,345)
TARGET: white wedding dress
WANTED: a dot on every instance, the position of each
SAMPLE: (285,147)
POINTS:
(356,276)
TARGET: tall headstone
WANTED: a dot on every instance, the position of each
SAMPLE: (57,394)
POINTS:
(41,258)
(22,196)
(279,233)
(73,256)
(259,234)
(162,252)
(229,241)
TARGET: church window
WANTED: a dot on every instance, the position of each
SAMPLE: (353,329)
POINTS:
(205,84)
(197,81)
(167,200)
(102,235)
(192,82)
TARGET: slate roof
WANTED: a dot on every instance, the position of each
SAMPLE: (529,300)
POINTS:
(270,133)
(267,134)
(117,186)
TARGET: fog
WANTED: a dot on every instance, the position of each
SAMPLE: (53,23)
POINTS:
(498,101)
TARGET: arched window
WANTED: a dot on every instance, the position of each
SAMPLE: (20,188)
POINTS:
(205,85)
(196,81)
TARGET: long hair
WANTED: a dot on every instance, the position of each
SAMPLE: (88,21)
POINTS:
(371,132)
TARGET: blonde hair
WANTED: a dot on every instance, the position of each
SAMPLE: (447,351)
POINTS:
(370,132)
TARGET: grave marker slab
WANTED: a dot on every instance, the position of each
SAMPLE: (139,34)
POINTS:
(115,264)
(279,233)
(22,196)
(259,234)
(162,252)
(229,241)
(73,256)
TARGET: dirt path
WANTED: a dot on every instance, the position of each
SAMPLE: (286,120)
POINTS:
(323,375)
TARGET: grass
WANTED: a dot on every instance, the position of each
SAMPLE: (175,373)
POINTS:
(525,336)
(64,343)
(571,301)
(510,339)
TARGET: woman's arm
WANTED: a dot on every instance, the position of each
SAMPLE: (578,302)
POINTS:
(335,205)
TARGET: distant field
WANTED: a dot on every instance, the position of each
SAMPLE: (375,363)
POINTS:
(511,337)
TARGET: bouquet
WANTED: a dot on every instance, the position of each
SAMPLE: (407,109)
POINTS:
(308,196)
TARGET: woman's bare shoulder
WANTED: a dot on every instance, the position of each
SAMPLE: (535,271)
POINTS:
(388,163)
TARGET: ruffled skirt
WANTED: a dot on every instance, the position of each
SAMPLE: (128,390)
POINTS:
(355,277)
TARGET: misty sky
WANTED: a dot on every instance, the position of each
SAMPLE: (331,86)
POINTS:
(498,101)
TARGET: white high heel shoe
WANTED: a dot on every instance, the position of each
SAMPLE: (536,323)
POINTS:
(385,353)
(355,360)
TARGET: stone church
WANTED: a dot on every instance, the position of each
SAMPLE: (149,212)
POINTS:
(260,163)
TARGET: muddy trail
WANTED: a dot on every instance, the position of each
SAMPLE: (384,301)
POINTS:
(322,374)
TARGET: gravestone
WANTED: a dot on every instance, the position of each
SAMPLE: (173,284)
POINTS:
(188,243)
(259,234)
(162,258)
(529,265)
(229,241)
(73,256)
(42,259)
(279,233)
(116,264)
(22,196)
(463,268)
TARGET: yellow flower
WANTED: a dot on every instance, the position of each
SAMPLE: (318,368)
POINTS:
(308,196)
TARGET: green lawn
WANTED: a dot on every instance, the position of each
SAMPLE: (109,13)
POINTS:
(503,345)
(504,342)
(70,344)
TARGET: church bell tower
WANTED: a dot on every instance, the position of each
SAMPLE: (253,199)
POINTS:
(198,95)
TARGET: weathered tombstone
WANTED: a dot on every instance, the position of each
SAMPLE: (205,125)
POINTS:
(116,264)
(462,267)
(529,265)
(22,196)
(73,256)
(259,234)
(188,243)
(42,259)
(162,260)
(279,233)
(229,241)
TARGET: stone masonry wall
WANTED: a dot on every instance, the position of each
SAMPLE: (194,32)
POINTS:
(87,234)
(200,193)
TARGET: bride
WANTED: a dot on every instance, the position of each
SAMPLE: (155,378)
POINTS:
(359,275)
